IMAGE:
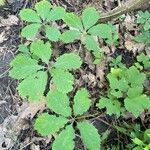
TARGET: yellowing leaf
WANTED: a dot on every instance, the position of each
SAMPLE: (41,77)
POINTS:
(2,2)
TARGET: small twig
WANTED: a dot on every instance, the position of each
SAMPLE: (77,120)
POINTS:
(129,6)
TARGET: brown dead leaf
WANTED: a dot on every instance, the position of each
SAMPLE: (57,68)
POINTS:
(27,113)
(2,37)
(129,22)
(89,78)
(129,45)
(11,20)
(100,74)
(147,49)
(105,49)
(35,147)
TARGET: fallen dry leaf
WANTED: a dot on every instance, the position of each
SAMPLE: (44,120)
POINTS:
(100,74)
(11,20)
(2,37)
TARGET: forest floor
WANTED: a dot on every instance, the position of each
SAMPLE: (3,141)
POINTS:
(93,77)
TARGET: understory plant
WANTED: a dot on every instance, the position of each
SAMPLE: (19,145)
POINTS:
(126,91)
(143,20)
(84,28)
(140,139)
(33,69)
(41,75)
(68,113)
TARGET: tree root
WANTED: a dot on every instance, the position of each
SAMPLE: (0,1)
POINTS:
(129,6)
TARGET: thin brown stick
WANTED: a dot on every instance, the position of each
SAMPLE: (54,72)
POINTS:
(129,6)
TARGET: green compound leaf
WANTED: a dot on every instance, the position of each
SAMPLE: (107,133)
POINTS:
(70,35)
(135,77)
(33,86)
(68,61)
(137,104)
(101,30)
(81,102)
(29,15)
(65,139)
(89,17)
(47,124)
(73,21)
(112,106)
(63,80)
(59,103)
(43,9)
(89,135)
(41,50)
(56,13)
(23,66)
(52,33)
(30,31)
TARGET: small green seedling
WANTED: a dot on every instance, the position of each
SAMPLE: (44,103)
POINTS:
(140,140)
(47,124)
(83,28)
(143,37)
(144,59)
(126,84)
(144,19)
(116,62)
(32,68)
(41,19)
